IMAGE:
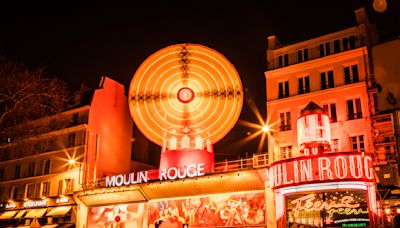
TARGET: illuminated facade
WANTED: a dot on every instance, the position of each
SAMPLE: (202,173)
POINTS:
(340,73)
(39,174)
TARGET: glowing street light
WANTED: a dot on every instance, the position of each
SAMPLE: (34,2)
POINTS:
(265,128)
(71,161)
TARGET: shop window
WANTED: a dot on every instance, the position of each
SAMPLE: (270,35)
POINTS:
(351,74)
(45,189)
(286,152)
(357,143)
(285,121)
(326,209)
(354,109)
(283,89)
(304,84)
(46,167)
(327,80)
(330,109)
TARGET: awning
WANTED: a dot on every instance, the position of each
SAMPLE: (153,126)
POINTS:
(38,213)
(20,214)
(49,226)
(59,211)
(8,214)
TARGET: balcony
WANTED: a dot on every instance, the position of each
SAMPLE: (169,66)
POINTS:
(314,53)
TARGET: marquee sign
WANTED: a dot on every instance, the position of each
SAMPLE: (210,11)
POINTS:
(321,168)
(171,173)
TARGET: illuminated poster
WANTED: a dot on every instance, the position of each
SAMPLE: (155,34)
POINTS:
(223,210)
(118,216)
(328,209)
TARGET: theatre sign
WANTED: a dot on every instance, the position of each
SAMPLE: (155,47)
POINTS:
(321,168)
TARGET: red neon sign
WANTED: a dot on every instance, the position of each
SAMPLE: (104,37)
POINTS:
(321,168)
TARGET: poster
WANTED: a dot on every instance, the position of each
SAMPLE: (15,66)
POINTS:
(118,216)
(222,210)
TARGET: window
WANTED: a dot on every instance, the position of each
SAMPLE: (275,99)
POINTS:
(69,186)
(375,97)
(330,109)
(61,187)
(336,46)
(71,140)
(327,80)
(31,169)
(45,189)
(345,43)
(65,186)
(351,74)
(354,109)
(1,173)
(335,145)
(324,49)
(302,55)
(15,193)
(283,60)
(46,167)
(286,152)
(30,191)
(17,171)
(285,121)
(283,89)
(304,85)
(357,143)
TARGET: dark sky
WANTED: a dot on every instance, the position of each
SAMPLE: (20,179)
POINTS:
(80,44)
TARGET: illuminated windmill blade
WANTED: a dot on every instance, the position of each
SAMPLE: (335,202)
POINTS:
(186,97)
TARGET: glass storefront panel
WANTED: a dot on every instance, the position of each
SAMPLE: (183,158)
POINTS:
(327,209)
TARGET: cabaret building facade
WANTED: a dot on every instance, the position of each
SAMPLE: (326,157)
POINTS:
(319,188)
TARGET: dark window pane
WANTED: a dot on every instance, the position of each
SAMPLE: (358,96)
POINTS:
(347,79)
(280,90)
(336,46)
(301,87)
(352,42)
(333,112)
(300,56)
(345,44)
(323,80)
(307,81)
(331,83)
(280,61)
(358,108)
(350,109)
(327,49)
(354,68)
(286,88)
(321,50)
(286,58)
(305,51)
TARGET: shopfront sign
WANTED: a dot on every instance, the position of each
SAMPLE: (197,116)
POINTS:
(11,205)
(171,173)
(35,203)
(321,168)
(342,206)
(62,200)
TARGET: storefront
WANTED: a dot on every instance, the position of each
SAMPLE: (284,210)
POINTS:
(232,199)
(50,212)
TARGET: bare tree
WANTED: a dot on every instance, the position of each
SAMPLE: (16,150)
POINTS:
(26,94)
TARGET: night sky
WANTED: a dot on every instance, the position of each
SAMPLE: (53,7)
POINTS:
(78,45)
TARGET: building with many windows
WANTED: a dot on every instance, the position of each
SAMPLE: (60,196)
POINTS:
(349,75)
(40,173)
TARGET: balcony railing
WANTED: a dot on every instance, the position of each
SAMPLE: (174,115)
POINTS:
(313,53)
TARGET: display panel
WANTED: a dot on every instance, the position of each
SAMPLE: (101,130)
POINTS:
(118,216)
(222,210)
(327,209)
